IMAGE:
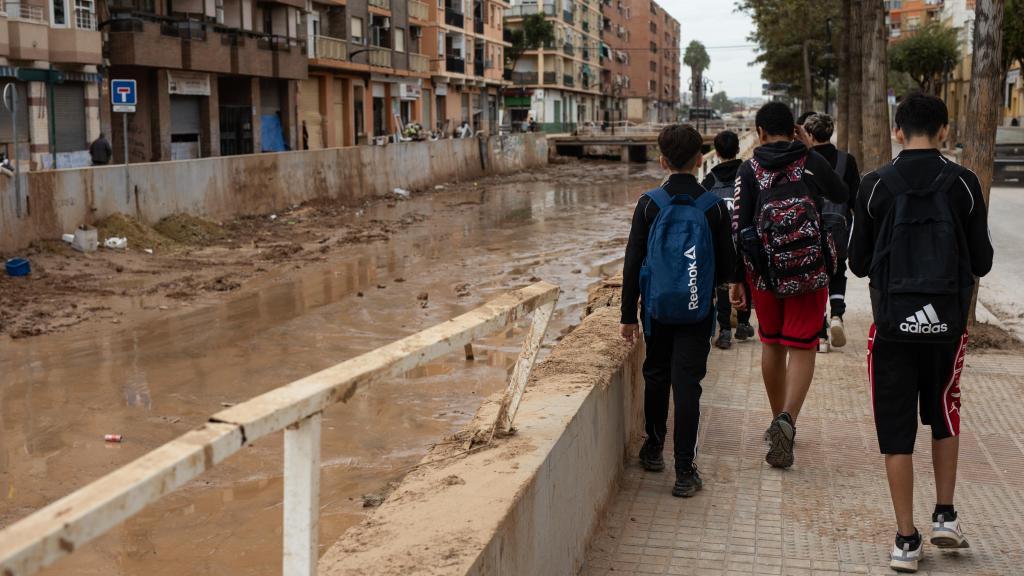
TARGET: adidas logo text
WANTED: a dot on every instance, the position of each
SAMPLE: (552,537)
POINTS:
(924,321)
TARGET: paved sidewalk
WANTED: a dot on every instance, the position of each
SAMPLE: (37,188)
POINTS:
(830,513)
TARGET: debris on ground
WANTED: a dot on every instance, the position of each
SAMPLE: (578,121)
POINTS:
(113,438)
(462,290)
(115,243)
(453,480)
(372,500)
(190,230)
(402,192)
(992,337)
(137,233)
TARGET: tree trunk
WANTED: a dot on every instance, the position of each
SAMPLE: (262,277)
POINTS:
(855,107)
(843,86)
(808,83)
(875,98)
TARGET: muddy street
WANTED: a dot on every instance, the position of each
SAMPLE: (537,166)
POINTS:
(153,365)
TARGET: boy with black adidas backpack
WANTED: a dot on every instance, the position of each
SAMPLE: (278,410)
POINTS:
(788,259)
(721,181)
(921,234)
(679,249)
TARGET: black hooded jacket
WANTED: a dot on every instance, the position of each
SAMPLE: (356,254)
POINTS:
(725,172)
(819,176)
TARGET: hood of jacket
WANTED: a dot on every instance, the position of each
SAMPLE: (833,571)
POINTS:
(778,155)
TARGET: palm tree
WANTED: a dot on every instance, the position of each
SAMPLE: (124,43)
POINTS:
(696,57)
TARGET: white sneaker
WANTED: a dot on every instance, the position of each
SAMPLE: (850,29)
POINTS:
(823,346)
(904,559)
(947,534)
(838,332)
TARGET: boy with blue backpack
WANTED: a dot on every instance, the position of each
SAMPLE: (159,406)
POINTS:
(921,236)
(679,249)
(721,181)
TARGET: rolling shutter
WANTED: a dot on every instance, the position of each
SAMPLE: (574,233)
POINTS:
(69,114)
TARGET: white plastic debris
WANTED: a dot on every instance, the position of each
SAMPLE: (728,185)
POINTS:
(85,239)
(402,192)
(273,216)
(147,250)
(439,187)
(69,238)
(116,243)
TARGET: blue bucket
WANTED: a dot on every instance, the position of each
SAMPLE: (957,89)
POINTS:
(18,267)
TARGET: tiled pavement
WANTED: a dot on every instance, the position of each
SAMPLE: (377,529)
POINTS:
(830,513)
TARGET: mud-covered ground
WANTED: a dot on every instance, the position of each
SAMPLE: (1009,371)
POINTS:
(185,259)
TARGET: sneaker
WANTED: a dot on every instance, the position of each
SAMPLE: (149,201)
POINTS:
(904,558)
(724,341)
(651,458)
(780,441)
(947,533)
(744,331)
(688,482)
(823,346)
(838,332)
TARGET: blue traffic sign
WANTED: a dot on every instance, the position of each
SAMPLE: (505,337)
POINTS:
(123,93)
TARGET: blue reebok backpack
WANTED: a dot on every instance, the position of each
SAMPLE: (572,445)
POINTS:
(677,279)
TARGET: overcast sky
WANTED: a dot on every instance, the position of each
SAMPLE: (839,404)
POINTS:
(719,26)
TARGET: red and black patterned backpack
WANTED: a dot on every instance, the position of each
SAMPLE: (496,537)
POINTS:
(799,254)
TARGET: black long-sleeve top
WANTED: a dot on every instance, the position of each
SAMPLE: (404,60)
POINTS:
(819,176)
(851,176)
(636,247)
(920,168)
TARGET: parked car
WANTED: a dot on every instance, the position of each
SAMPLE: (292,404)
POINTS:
(1009,155)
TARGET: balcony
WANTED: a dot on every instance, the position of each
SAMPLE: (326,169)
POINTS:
(568,80)
(586,54)
(530,9)
(478,68)
(382,4)
(151,41)
(419,63)
(380,57)
(418,11)
(567,16)
(453,17)
(327,48)
(586,25)
(455,64)
(29,33)
(78,46)
(522,77)
(568,48)
(551,78)
(478,25)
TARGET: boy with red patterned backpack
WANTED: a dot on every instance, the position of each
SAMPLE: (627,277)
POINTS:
(787,257)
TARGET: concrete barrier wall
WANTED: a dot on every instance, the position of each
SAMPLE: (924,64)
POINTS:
(529,503)
(219,188)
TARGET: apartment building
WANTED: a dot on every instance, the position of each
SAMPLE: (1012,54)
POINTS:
(214,77)
(904,17)
(642,64)
(959,14)
(377,65)
(57,111)
(559,85)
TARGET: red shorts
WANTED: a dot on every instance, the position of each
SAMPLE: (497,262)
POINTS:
(795,321)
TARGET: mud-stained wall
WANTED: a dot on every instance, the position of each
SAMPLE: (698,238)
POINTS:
(529,503)
(218,188)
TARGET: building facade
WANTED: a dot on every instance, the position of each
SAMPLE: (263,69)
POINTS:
(642,74)
(559,85)
(214,77)
(905,17)
(50,54)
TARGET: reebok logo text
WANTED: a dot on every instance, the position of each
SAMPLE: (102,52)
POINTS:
(691,270)
(924,321)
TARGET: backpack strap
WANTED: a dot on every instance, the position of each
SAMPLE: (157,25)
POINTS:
(841,159)
(660,197)
(947,178)
(942,183)
(890,176)
(715,178)
(706,201)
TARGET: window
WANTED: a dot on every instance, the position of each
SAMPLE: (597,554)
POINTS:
(85,14)
(440,43)
(357,30)
(654,47)
(654,28)
(654,66)
(399,39)
(653,85)
(59,12)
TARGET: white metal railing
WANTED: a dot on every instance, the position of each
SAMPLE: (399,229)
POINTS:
(27,12)
(330,48)
(385,4)
(69,523)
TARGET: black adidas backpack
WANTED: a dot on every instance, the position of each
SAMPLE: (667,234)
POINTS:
(920,276)
(834,214)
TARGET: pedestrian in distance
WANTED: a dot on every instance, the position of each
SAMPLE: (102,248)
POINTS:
(100,151)
(679,249)
(787,259)
(817,133)
(721,181)
(921,236)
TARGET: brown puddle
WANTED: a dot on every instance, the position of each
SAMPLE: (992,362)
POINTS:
(151,382)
